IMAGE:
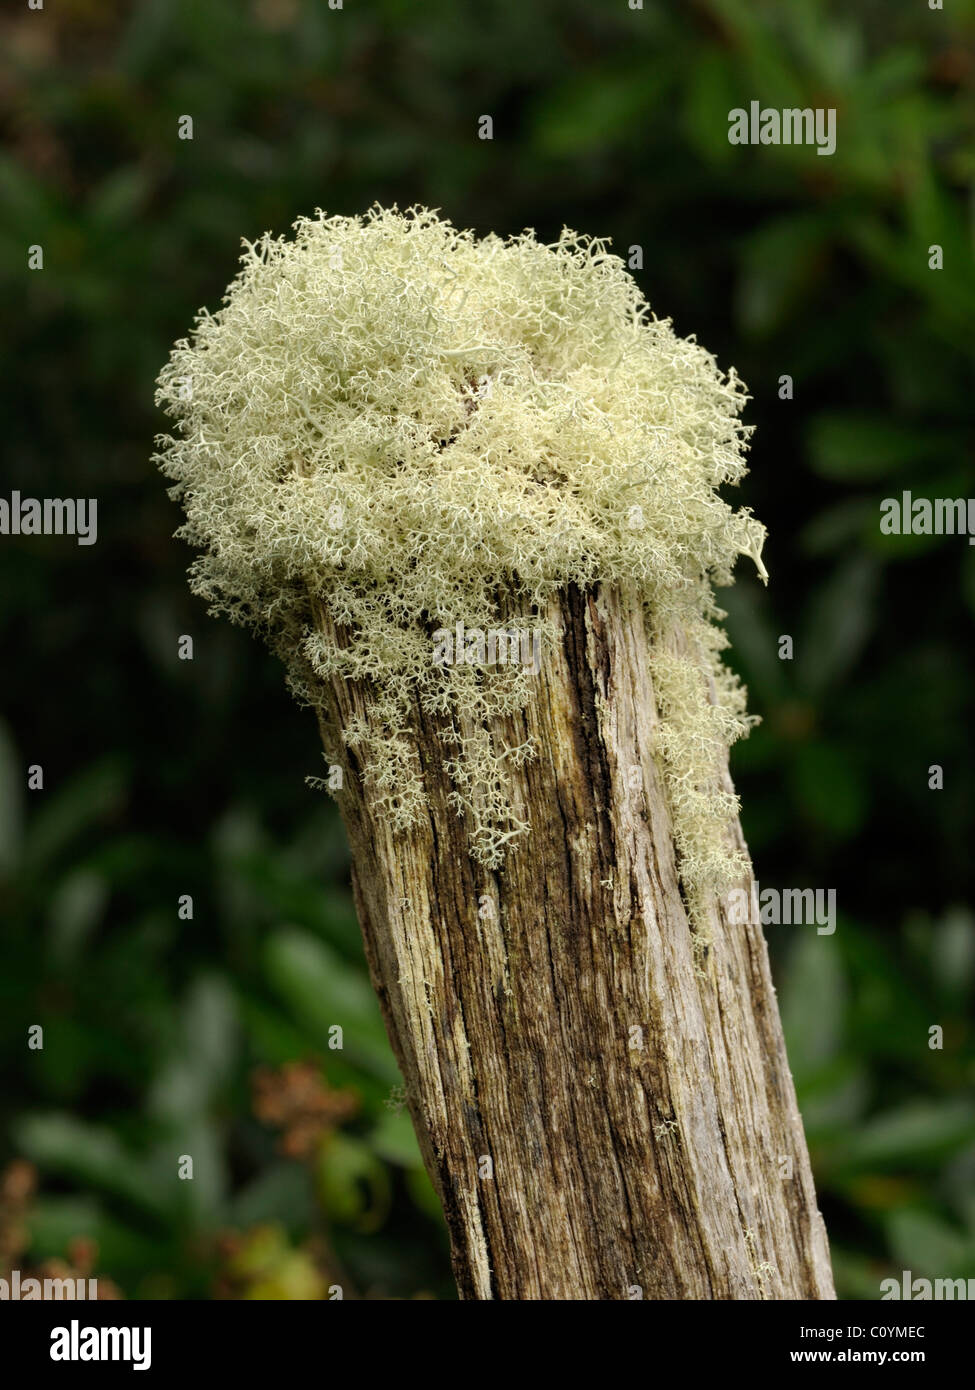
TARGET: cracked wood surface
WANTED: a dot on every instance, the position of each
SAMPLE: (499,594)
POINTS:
(548,1016)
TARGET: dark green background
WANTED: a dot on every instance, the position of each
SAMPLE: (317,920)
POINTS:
(165,777)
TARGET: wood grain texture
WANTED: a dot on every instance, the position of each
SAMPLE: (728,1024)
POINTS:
(511,1000)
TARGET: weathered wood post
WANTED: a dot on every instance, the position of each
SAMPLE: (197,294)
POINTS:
(468,490)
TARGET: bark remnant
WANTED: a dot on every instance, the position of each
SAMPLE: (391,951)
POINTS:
(551,1017)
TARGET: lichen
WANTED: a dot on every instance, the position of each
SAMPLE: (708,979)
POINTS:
(400,426)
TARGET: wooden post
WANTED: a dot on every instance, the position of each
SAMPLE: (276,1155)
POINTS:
(388,422)
(603,1118)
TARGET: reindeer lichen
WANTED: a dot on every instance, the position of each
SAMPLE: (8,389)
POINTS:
(402,427)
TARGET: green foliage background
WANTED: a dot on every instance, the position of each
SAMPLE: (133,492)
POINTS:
(165,777)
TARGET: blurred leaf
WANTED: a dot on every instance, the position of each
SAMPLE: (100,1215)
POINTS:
(837,623)
(61,813)
(953,954)
(838,527)
(928,1247)
(26,201)
(834,1097)
(854,446)
(57,1221)
(204,1052)
(117,198)
(855,1275)
(754,640)
(968,577)
(324,991)
(352,1183)
(813,1003)
(395,1139)
(592,111)
(767,67)
(269,1268)
(281,1193)
(829,787)
(11,801)
(915,1134)
(200,1199)
(710,96)
(424,1194)
(90,1154)
(76,906)
(779,267)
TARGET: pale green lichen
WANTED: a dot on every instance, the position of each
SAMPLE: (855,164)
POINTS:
(408,426)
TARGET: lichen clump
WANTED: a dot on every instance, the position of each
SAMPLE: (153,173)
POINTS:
(402,427)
